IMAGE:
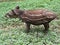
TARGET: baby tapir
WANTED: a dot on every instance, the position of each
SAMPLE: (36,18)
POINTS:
(35,17)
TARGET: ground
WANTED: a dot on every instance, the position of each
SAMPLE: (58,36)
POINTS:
(12,31)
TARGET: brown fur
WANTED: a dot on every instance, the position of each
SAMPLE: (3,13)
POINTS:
(35,17)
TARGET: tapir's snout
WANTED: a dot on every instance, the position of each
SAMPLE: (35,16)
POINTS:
(7,15)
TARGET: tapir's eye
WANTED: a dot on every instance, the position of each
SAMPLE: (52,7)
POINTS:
(13,12)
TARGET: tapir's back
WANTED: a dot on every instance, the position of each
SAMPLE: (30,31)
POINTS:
(38,16)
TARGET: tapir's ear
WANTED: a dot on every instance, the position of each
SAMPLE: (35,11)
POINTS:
(17,7)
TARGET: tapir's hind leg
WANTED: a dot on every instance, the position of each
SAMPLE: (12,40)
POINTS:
(46,25)
(27,27)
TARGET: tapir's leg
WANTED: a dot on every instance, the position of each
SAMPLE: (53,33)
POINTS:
(27,27)
(46,25)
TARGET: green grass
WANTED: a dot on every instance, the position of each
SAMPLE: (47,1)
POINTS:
(9,0)
(12,31)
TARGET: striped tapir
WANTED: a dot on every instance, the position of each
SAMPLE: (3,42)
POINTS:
(35,17)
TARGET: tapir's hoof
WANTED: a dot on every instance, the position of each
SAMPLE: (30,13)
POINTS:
(45,31)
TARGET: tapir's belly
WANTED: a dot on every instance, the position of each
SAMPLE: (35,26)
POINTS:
(37,22)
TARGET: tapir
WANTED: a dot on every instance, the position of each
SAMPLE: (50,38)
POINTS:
(34,17)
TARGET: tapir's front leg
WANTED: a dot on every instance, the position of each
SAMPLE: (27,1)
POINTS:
(46,25)
(27,27)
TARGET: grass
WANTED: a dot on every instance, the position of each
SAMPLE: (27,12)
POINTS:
(9,0)
(12,31)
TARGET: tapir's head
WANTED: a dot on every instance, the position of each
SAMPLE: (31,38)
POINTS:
(14,13)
